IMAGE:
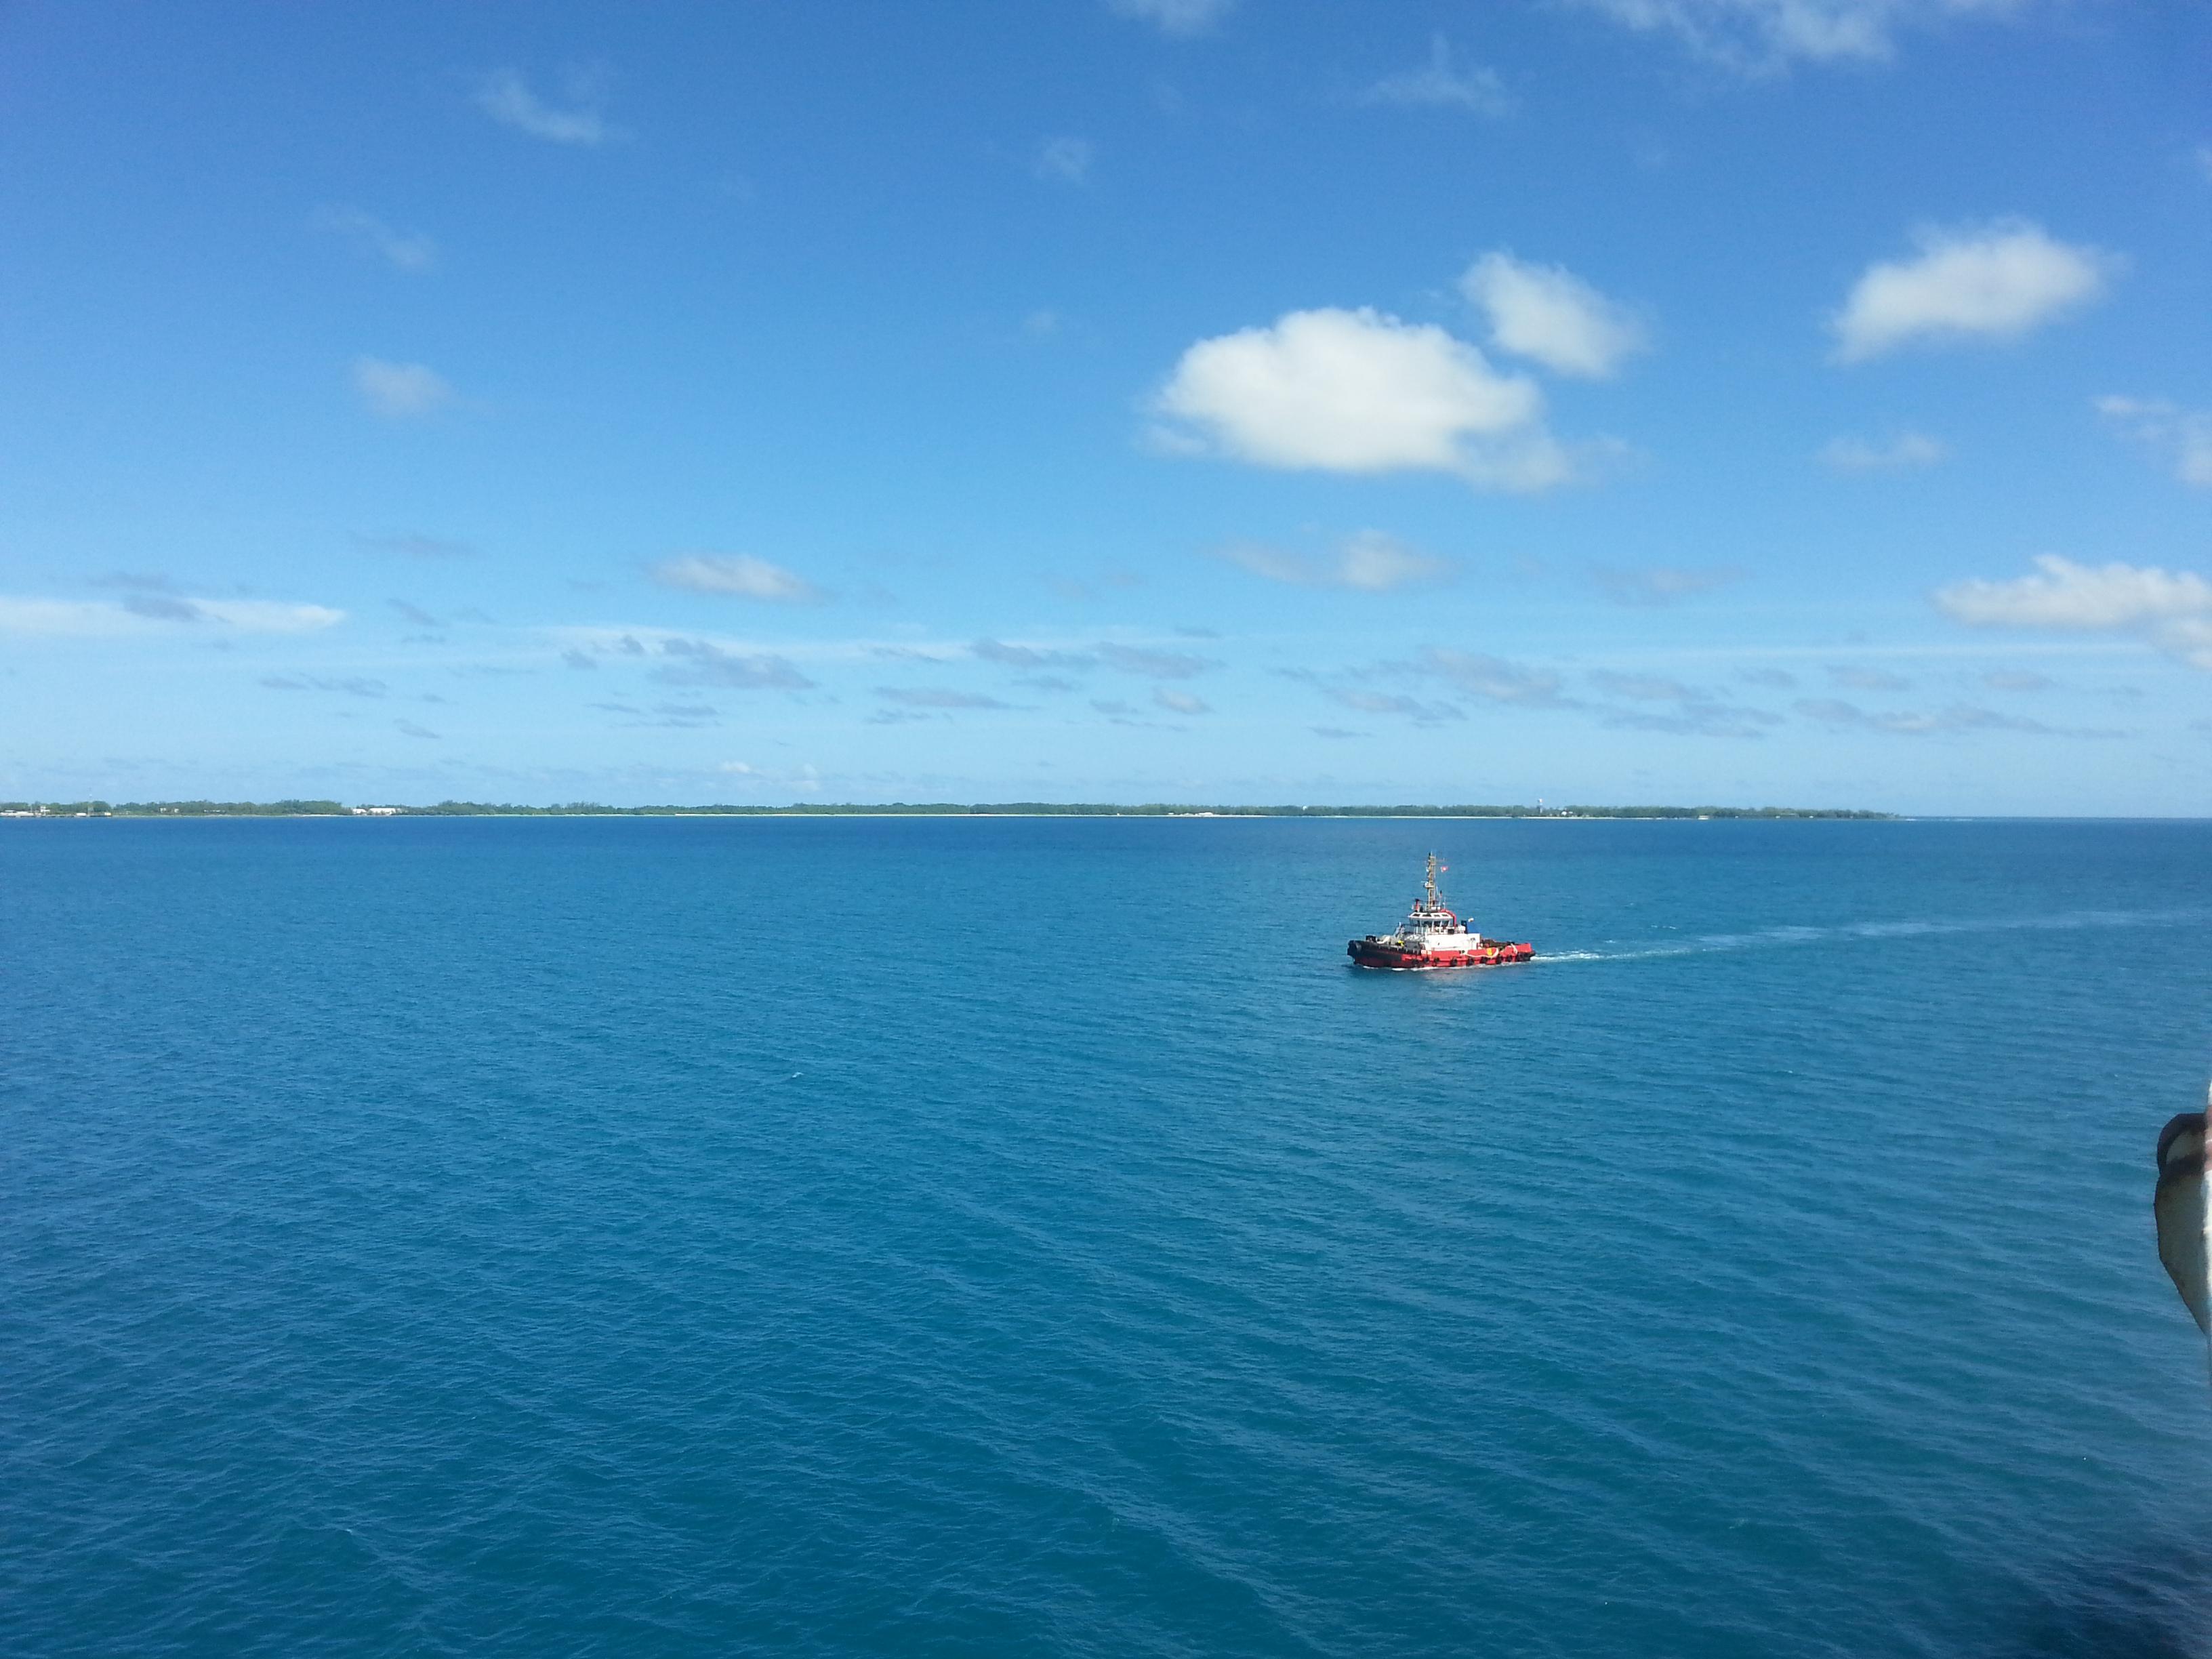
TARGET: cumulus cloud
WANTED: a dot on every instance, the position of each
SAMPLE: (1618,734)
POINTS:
(737,573)
(1358,391)
(702,662)
(1175,16)
(1368,561)
(409,250)
(1440,83)
(2063,594)
(1993,282)
(1763,36)
(2184,435)
(2170,609)
(400,392)
(1660,585)
(1550,315)
(158,613)
(1065,160)
(507,97)
(1904,451)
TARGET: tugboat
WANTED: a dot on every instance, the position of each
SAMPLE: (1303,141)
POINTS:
(1432,936)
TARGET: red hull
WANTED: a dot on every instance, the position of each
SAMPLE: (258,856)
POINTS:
(1374,953)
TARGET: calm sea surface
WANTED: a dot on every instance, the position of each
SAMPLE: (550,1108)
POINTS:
(896,1236)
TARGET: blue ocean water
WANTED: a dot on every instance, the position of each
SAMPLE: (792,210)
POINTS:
(1028,1236)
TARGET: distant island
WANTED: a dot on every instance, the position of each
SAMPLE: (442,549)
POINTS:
(585,809)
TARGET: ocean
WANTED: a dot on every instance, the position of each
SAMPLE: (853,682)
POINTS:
(1028,1237)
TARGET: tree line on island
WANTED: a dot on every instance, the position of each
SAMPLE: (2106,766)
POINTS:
(450,809)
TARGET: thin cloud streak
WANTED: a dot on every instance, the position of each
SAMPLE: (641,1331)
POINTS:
(411,251)
(1441,84)
(738,575)
(506,96)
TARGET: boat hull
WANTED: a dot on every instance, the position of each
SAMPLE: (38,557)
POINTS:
(1380,953)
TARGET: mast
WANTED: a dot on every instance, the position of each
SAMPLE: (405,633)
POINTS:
(1434,897)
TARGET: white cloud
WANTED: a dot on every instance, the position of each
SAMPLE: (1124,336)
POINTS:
(1338,391)
(738,574)
(354,686)
(1181,703)
(2170,609)
(1065,160)
(400,391)
(703,662)
(1438,83)
(1494,678)
(1761,36)
(414,544)
(1862,678)
(937,696)
(1369,561)
(1549,313)
(409,251)
(160,614)
(2067,595)
(1175,17)
(2184,433)
(1921,723)
(1663,585)
(1687,711)
(1646,688)
(1993,282)
(506,98)
(1153,664)
(267,616)
(1904,451)
(1385,702)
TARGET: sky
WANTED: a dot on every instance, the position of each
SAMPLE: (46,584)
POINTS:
(1753,402)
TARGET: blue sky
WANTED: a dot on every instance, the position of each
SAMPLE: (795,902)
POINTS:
(1790,401)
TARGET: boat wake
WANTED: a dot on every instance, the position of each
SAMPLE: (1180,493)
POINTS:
(1777,938)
